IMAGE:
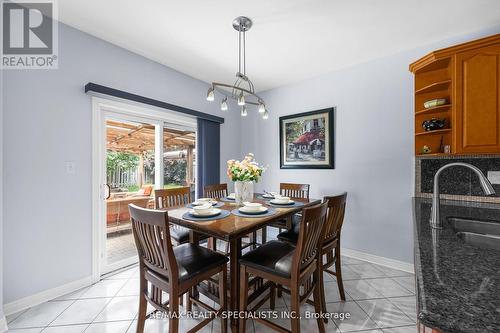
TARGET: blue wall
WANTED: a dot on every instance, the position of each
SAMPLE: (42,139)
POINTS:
(47,120)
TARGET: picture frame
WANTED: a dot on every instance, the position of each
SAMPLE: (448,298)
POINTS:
(307,140)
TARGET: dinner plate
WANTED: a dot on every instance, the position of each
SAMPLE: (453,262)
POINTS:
(291,202)
(213,212)
(214,202)
(268,196)
(245,210)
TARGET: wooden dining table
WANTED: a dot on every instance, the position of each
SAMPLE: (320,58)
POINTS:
(233,229)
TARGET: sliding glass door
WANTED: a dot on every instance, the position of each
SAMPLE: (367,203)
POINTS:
(139,152)
(179,157)
(130,178)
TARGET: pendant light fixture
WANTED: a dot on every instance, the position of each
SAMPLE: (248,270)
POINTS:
(242,91)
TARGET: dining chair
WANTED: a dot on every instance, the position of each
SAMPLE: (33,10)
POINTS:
(174,197)
(294,191)
(173,270)
(330,247)
(294,267)
(219,191)
(216,191)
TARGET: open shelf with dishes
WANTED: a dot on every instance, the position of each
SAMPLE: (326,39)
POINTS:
(456,93)
(433,102)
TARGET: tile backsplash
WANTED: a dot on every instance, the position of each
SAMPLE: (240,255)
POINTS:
(457,182)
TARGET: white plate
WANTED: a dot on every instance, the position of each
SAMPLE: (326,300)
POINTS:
(291,202)
(269,196)
(199,203)
(213,212)
(249,211)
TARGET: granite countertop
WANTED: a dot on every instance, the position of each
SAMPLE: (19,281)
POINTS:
(458,285)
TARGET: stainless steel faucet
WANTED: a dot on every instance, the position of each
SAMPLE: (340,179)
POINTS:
(485,185)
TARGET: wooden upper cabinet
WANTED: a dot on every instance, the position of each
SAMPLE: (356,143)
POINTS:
(467,76)
(477,105)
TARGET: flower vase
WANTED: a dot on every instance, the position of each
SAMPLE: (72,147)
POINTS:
(243,191)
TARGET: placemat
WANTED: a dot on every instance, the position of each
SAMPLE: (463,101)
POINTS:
(218,205)
(263,198)
(223,213)
(295,204)
(270,211)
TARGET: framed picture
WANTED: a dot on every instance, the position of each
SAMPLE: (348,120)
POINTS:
(306,140)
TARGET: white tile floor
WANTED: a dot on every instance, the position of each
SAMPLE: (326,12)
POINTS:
(379,299)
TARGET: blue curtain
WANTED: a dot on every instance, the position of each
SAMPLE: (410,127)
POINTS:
(208,154)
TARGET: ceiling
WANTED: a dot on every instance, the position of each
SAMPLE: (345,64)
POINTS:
(291,40)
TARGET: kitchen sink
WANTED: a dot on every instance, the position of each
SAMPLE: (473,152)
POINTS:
(478,233)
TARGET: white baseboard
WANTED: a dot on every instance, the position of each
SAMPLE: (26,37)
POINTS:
(388,262)
(44,296)
(3,325)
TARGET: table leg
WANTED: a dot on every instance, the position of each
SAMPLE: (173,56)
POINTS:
(194,237)
(263,239)
(234,273)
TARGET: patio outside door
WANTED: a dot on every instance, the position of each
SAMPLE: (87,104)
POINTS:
(139,150)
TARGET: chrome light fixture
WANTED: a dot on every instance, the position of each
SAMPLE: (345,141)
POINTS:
(210,95)
(244,112)
(223,104)
(266,115)
(242,90)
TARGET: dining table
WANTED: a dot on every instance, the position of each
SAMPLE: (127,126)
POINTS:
(233,229)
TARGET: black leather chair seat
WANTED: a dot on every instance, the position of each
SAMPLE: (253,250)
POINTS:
(292,235)
(180,234)
(282,223)
(273,257)
(193,260)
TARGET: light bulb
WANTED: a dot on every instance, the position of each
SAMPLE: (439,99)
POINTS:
(244,112)
(241,99)
(223,104)
(262,107)
(266,115)
(210,94)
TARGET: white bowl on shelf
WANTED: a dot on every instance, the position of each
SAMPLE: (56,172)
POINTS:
(434,102)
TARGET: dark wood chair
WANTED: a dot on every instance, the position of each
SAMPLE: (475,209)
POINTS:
(175,197)
(173,270)
(219,191)
(294,267)
(216,191)
(300,191)
(330,241)
(294,191)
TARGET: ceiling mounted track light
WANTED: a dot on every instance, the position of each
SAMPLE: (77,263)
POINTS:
(242,90)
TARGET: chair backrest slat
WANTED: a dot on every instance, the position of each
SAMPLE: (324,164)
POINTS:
(216,191)
(335,217)
(152,239)
(313,219)
(297,191)
(174,197)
